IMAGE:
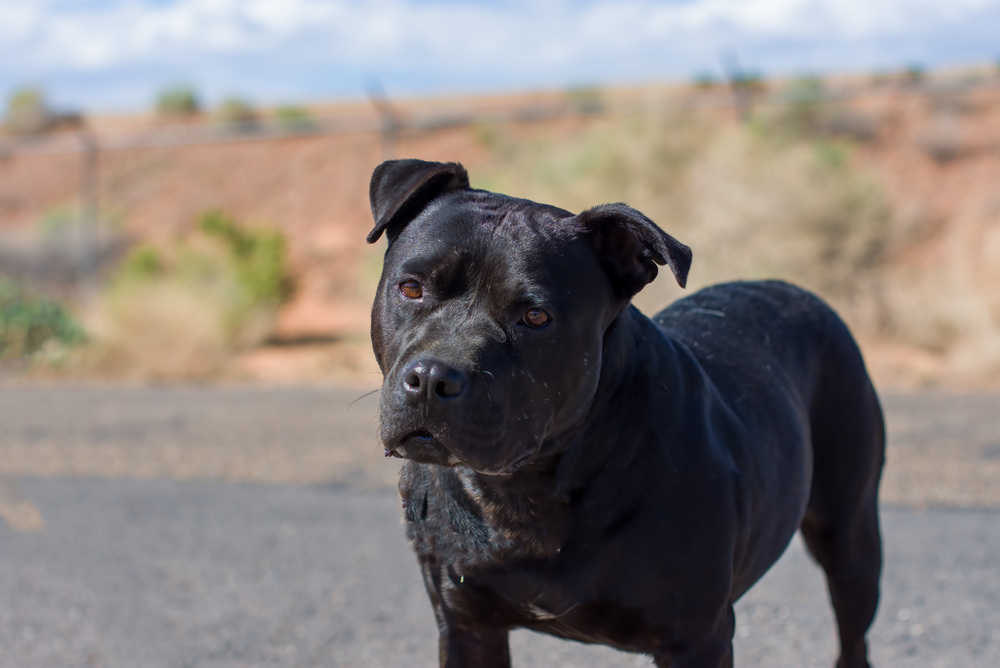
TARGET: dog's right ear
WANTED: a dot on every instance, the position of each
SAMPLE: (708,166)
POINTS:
(401,189)
(630,246)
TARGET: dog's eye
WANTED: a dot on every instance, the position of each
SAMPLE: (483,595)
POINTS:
(535,317)
(411,289)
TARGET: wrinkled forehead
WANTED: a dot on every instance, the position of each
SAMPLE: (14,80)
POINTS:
(485,234)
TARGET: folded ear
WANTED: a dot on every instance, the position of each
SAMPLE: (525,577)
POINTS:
(630,246)
(401,189)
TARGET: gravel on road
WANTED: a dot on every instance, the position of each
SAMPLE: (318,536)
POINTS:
(943,448)
(211,575)
(225,527)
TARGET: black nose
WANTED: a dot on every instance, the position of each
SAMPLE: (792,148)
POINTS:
(431,381)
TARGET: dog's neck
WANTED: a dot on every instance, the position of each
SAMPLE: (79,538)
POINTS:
(644,379)
(529,511)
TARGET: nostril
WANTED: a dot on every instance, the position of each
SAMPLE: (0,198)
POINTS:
(449,386)
(412,380)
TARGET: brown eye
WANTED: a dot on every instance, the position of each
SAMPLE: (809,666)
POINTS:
(535,317)
(411,289)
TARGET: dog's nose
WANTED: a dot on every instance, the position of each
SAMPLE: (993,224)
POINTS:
(430,380)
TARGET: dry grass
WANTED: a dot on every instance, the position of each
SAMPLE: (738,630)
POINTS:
(949,303)
(759,202)
(184,309)
(163,331)
(641,160)
(766,200)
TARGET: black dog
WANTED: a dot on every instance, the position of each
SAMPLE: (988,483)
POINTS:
(576,468)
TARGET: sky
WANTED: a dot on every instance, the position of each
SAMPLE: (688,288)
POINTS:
(117,55)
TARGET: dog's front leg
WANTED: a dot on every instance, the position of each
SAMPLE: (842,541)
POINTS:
(472,649)
(715,651)
(712,654)
(462,642)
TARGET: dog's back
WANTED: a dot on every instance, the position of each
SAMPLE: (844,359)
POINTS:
(767,344)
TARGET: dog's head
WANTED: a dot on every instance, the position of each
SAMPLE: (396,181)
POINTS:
(491,313)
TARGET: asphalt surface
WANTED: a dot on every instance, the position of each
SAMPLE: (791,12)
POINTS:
(222,528)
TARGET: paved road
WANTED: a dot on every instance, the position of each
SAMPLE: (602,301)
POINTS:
(258,561)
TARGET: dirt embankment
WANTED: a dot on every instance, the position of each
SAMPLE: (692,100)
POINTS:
(935,150)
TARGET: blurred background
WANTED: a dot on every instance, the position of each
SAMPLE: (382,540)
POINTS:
(183,182)
(185,285)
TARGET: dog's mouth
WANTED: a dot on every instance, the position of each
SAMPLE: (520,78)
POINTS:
(420,435)
(421,446)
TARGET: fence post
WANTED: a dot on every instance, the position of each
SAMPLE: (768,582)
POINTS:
(89,211)
(391,124)
(738,81)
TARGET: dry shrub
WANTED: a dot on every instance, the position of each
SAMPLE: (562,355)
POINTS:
(639,159)
(760,202)
(807,110)
(753,202)
(950,305)
(182,310)
(838,121)
(758,206)
(162,331)
(943,144)
(955,97)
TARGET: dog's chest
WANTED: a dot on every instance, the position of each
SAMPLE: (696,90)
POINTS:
(561,599)
(449,520)
(517,576)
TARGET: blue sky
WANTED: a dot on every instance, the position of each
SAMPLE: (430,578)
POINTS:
(106,55)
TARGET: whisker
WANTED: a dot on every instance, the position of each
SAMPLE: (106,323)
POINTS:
(363,396)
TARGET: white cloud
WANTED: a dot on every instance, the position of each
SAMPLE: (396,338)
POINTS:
(507,40)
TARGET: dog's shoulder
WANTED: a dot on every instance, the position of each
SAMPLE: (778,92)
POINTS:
(728,306)
(751,319)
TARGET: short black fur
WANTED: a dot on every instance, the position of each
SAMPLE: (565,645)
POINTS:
(607,477)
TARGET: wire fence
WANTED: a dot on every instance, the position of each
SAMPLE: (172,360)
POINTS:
(742,96)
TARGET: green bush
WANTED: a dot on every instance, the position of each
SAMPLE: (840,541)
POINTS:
(143,263)
(178,101)
(294,119)
(27,323)
(258,256)
(237,115)
(182,309)
(28,112)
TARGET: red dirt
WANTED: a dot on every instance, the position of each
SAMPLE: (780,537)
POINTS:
(315,189)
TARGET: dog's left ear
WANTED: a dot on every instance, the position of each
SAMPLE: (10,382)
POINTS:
(630,246)
(401,189)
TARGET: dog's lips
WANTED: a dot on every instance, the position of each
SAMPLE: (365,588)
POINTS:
(420,435)
(420,445)
(418,438)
